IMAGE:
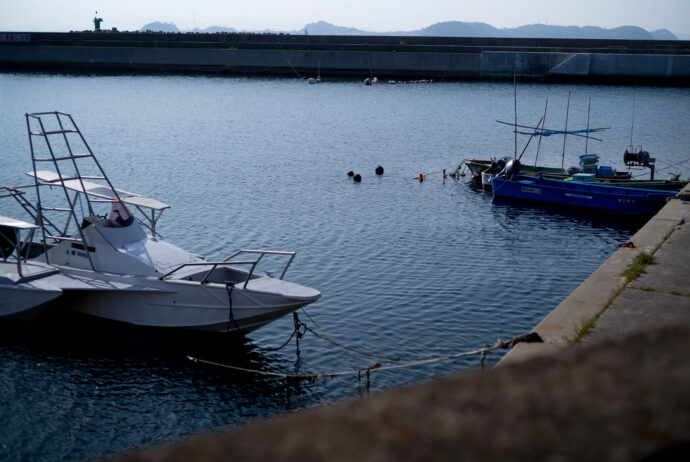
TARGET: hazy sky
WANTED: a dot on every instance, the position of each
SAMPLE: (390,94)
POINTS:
(371,15)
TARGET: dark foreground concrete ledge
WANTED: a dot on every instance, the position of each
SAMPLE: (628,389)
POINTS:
(623,399)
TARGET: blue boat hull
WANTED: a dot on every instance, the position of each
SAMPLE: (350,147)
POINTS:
(589,195)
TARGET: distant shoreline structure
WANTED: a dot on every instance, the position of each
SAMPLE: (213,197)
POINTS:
(397,58)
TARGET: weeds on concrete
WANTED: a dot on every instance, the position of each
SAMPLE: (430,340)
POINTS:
(587,325)
(637,267)
(665,238)
(644,289)
(686,294)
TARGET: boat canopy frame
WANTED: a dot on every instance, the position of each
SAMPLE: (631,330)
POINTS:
(63,157)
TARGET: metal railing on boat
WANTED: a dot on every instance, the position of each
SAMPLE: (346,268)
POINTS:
(228,262)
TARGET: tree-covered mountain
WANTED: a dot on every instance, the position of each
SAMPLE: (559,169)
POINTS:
(461,29)
(158,26)
(480,29)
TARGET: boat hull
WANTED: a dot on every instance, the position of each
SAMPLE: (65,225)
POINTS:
(25,295)
(26,300)
(185,304)
(583,195)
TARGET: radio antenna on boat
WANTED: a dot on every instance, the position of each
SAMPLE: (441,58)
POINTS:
(565,132)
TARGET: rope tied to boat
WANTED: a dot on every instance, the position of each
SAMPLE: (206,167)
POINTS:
(393,362)
(299,330)
(231,316)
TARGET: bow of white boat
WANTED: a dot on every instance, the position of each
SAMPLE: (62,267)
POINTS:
(287,289)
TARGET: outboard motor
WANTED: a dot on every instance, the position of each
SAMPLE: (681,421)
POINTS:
(497,166)
(511,169)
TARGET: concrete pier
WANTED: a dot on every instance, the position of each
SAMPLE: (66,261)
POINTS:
(388,57)
(616,390)
(612,306)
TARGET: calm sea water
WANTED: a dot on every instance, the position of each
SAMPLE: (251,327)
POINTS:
(405,268)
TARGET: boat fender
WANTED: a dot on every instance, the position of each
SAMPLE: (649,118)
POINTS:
(357,178)
(379,170)
(350,173)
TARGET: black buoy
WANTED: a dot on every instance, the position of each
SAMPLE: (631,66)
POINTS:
(379,170)
(357,178)
(350,173)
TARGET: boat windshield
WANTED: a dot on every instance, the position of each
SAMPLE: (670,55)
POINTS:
(120,216)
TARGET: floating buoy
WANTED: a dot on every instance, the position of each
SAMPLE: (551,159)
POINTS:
(350,173)
(421,177)
(379,170)
(357,178)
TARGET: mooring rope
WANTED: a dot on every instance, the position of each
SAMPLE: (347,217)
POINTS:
(663,168)
(289,62)
(353,351)
(527,338)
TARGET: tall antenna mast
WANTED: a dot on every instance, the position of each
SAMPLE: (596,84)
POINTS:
(546,105)
(589,104)
(515,103)
(632,123)
(565,132)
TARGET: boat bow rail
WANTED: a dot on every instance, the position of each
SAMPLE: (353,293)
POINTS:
(230,262)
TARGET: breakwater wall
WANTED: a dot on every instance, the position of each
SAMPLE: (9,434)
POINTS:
(394,57)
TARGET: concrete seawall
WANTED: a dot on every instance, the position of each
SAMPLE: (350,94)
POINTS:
(618,61)
(606,305)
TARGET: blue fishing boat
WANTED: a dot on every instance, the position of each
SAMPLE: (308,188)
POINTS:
(581,194)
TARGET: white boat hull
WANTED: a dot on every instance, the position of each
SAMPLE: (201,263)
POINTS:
(25,295)
(185,304)
(26,300)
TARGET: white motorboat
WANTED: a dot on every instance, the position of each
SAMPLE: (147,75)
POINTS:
(109,267)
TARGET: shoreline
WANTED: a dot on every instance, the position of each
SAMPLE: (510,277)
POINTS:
(398,58)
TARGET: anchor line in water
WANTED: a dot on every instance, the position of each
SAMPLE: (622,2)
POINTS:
(289,62)
(378,366)
(353,351)
(300,329)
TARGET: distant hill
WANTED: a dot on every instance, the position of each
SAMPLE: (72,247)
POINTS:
(663,34)
(461,29)
(326,28)
(160,27)
(458,29)
(480,29)
(575,32)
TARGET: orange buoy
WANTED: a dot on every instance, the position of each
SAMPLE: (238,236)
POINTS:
(421,177)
